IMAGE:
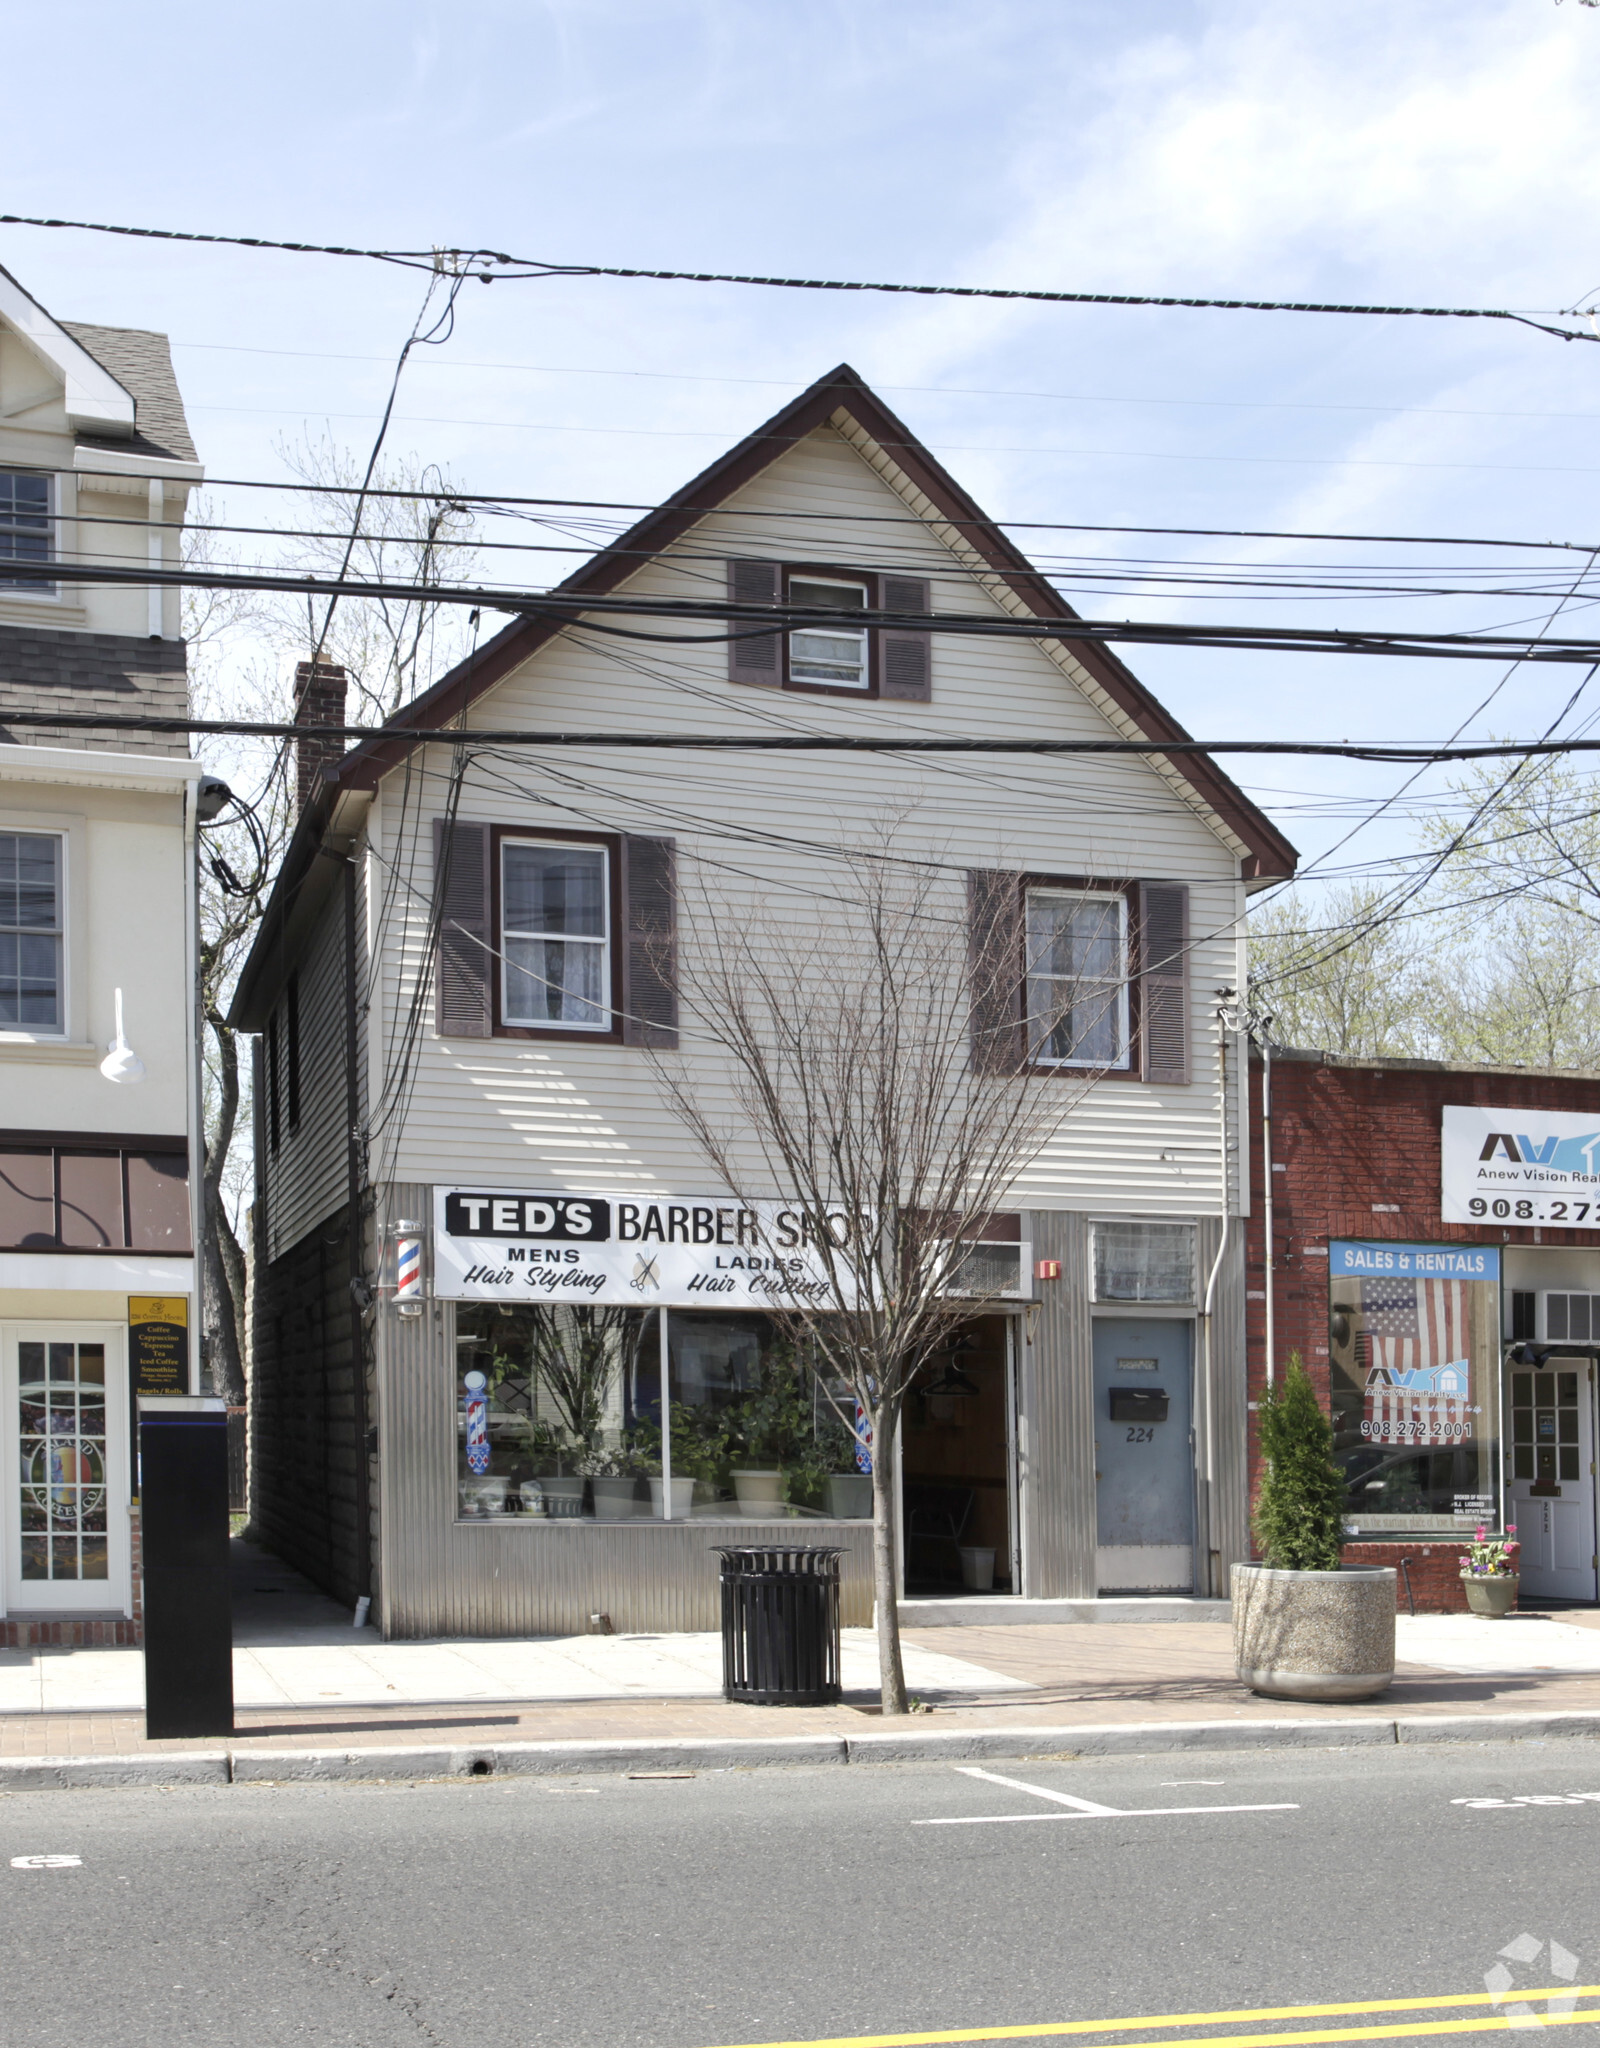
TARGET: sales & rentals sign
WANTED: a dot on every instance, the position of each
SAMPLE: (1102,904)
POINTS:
(1520,1166)
(680,1251)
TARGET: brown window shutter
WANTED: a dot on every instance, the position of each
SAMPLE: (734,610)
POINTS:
(1164,980)
(464,984)
(994,969)
(754,658)
(649,942)
(905,659)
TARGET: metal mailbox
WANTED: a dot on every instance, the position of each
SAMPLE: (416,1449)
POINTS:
(1138,1404)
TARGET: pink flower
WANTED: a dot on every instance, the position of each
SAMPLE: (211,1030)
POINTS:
(1465,1563)
(1511,1528)
(1480,1532)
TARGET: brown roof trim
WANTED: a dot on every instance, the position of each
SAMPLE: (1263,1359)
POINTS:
(843,388)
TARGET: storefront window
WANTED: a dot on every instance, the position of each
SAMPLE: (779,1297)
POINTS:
(755,1434)
(1414,1356)
(558,1413)
(558,1418)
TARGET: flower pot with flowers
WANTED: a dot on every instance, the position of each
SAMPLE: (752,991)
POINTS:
(1489,1572)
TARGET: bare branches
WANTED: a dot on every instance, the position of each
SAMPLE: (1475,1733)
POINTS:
(832,1062)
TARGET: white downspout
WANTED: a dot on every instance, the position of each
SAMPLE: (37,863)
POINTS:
(1266,1186)
(1226,1021)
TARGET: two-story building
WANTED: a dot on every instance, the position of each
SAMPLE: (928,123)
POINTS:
(493,1386)
(99,1032)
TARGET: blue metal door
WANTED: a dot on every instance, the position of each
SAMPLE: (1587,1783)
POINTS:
(1144,1454)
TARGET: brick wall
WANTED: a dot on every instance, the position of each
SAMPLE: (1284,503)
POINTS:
(1355,1148)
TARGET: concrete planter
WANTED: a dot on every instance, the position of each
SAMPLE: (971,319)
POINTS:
(1493,1594)
(1314,1635)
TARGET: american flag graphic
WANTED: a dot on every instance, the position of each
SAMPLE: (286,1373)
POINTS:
(1419,1374)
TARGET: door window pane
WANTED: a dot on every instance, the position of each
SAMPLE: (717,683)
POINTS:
(30,931)
(61,1415)
(555,935)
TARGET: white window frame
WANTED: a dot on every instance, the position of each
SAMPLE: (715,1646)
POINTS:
(12,589)
(70,831)
(605,942)
(861,634)
(1124,1060)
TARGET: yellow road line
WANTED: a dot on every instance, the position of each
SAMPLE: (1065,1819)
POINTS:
(1053,2028)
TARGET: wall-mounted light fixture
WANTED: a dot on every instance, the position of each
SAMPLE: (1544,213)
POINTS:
(121,1062)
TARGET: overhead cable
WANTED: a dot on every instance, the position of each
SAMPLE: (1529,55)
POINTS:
(491,266)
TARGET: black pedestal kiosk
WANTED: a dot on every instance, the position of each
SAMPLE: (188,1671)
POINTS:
(188,1615)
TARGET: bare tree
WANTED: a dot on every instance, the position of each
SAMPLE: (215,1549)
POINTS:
(1340,976)
(862,1059)
(391,648)
(241,651)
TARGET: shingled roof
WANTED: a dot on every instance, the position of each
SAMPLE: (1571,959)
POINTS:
(141,362)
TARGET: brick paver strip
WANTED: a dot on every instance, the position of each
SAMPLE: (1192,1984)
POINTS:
(1100,1676)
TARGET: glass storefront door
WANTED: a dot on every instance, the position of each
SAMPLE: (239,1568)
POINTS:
(1550,1481)
(64,1446)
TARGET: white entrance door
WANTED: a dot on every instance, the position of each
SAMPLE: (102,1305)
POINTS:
(1551,1495)
(64,1453)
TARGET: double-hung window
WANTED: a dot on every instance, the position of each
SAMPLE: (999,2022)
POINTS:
(31,932)
(1077,977)
(828,656)
(555,935)
(25,528)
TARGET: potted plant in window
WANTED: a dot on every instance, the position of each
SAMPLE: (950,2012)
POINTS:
(1306,1627)
(1489,1572)
(772,1432)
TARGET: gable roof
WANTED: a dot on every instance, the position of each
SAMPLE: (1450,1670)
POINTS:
(141,362)
(118,385)
(842,390)
(303,874)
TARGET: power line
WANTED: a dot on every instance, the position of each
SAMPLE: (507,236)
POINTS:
(564,607)
(493,500)
(492,266)
(803,743)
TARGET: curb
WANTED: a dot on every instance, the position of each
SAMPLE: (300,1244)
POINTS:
(742,1753)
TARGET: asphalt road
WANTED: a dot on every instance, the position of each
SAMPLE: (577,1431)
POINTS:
(790,1905)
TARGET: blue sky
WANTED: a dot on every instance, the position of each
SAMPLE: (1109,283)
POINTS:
(1441,153)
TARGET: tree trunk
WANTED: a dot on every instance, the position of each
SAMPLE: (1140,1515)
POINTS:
(885,1570)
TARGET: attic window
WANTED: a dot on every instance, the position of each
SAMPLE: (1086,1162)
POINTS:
(830,657)
(24,527)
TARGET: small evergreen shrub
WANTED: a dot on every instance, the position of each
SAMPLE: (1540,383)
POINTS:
(1299,1511)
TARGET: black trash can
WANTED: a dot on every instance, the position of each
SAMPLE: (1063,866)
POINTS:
(780,1626)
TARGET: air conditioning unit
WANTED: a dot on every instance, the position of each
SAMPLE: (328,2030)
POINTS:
(997,1270)
(1566,1317)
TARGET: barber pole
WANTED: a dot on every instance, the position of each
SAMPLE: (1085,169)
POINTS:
(408,1275)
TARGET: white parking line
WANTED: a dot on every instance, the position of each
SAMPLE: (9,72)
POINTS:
(47,1863)
(1082,1809)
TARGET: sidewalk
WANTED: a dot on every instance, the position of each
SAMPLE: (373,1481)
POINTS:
(304,1678)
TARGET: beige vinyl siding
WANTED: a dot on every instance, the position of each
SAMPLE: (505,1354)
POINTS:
(564,1114)
(307,1177)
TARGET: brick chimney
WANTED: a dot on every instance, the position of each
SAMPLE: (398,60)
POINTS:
(318,701)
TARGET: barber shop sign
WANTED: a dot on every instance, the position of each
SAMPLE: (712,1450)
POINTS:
(677,1251)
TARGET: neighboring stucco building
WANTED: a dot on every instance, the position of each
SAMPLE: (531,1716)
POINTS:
(1435,1235)
(97,899)
(471,961)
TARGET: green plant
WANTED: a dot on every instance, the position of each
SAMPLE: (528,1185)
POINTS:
(699,1443)
(1493,1557)
(1299,1511)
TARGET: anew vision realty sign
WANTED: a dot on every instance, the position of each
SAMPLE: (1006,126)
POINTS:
(1521,1166)
(497,1244)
